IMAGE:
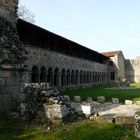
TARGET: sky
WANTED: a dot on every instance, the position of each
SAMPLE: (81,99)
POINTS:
(101,25)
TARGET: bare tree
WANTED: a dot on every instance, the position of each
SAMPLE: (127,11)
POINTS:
(26,14)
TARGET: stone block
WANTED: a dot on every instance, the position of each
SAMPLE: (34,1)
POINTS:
(77,107)
(101,99)
(89,99)
(5,102)
(87,109)
(2,81)
(115,100)
(5,74)
(128,102)
(56,111)
(77,98)
(137,102)
(124,120)
(66,98)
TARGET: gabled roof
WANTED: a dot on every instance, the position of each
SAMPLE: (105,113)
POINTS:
(111,53)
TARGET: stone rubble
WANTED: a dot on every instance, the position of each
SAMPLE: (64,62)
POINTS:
(39,101)
(77,98)
(43,102)
(115,100)
(128,102)
(137,124)
(101,99)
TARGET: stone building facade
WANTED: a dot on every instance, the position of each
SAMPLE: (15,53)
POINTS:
(30,54)
(133,69)
(116,65)
(59,61)
(121,68)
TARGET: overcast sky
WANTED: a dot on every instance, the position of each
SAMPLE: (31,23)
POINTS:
(102,25)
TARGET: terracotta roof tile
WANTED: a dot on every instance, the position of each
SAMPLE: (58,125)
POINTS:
(111,53)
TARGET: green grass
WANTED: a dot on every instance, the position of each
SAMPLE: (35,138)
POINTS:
(11,129)
(137,85)
(122,94)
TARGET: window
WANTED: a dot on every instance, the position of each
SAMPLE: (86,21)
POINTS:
(112,75)
(110,63)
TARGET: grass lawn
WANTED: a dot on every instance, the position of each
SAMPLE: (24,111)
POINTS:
(11,129)
(122,94)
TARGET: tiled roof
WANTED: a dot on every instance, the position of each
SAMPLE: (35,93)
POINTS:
(111,53)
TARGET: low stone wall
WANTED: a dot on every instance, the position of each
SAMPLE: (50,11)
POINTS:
(11,81)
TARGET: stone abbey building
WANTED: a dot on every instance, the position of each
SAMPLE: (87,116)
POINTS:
(30,54)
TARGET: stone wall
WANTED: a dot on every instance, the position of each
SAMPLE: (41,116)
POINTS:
(11,82)
(8,9)
(121,65)
(12,57)
(95,72)
(133,69)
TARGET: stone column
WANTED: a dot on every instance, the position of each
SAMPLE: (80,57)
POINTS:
(39,75)
(78,79)
(59,79)
(52,79)
(29,76)
(91,79)
(70,80)
(65,79)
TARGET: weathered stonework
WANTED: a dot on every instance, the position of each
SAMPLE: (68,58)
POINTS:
(133,69)
(11,49)
(12,57)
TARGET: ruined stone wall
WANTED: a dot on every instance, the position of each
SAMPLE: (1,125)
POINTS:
(12,57)
(133,69)
(121,66)
(11,82)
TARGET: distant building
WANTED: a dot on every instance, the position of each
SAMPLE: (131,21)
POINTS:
(116,65)
(133,69)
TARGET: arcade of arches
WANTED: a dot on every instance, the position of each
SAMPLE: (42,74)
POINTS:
(67,78)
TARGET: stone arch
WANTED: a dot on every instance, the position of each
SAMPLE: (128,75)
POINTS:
(35,75)
(43,74)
